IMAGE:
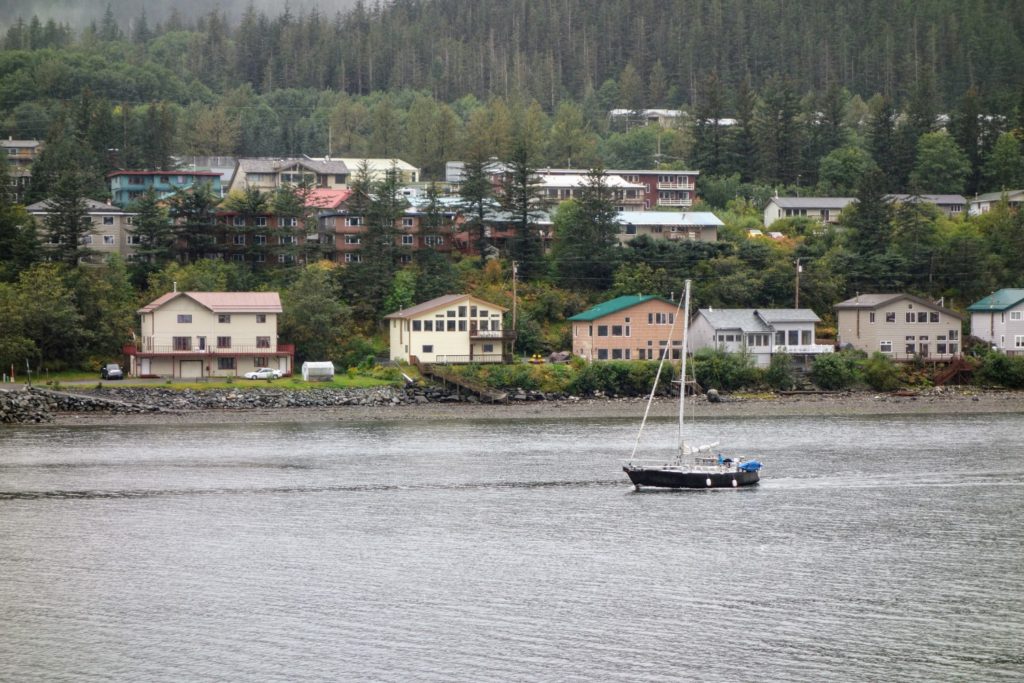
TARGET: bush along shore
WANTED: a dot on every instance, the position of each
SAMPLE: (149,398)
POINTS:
(35,404)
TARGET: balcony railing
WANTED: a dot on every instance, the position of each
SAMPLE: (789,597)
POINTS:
(675,186)
(797,349)
(149,349)
(453,359)
(675,202)
(500,335)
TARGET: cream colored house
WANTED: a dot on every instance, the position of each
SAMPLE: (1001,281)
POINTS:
(270,174)
(824,209)
(901,326)
(456,328)
(210,334)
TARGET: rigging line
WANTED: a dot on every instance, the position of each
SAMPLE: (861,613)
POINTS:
(657,378)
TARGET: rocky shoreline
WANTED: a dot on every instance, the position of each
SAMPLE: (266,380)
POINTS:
(137,405)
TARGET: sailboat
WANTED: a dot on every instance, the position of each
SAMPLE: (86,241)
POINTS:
(693,467)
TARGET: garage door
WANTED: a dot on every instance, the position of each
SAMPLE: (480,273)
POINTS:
(189,369)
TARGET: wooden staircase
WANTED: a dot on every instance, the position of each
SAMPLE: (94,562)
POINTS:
(441,374)
(959,371)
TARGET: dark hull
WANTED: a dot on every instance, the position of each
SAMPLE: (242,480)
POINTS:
(678,479)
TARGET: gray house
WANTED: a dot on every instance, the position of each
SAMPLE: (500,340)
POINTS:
(901,326)
(999,320)
(761,333)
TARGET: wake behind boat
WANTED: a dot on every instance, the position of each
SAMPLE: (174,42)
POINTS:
(700,467)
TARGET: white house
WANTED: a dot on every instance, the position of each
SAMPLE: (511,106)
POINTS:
(824,209)
(210,334)
(759,332)
(690,226)
(455,328)
(984,203)
(999,320)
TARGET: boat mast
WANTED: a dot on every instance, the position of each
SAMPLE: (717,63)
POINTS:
(682,366)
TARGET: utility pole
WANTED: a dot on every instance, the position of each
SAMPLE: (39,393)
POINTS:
(515,269)
(799,268)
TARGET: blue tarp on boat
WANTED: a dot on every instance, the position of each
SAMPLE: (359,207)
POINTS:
(750,466)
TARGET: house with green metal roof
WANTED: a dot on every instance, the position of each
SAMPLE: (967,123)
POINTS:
(628,328)
(999,320)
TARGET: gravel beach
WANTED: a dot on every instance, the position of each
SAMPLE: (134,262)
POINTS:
(952,401)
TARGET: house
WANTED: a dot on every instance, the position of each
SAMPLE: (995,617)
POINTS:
(983,203)
(824,209)
(760,332)
(951,205)
(999,320)
(628,328)
(558,187)
(666,118)
(689,226)
(455,328)
(649,188)
(127,186)
(407,174)
(20,155)
(901,326)
(270,174)
(111,231)
(210,334)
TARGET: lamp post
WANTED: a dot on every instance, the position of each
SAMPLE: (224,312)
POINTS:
(799,269)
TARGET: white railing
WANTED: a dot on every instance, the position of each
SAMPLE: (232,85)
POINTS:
(675,202)
(803,348)
(675,186)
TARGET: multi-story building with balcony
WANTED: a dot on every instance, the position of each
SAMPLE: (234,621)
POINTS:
(762,333)
(343,234)
(111,231)
(209,334)
(127,186)
(451,329)
(640,189)
(20,155)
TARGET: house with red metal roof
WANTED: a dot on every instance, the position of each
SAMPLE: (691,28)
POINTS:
(188,335)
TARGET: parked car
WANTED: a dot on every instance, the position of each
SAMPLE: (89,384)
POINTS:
(263,373)
(111,371)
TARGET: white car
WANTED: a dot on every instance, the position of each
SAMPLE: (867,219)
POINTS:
(263,373)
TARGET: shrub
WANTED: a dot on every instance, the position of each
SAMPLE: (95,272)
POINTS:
(835,370)
(880,373)
(1007,371)
(779,375)
(716,369)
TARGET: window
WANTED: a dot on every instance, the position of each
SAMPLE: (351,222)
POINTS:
(87,239)
(428,325)
(910,317)
(287,239)
(486,325)
(885,346)
(238,221)
(224,318)
(616,330)
(182,343)
(602,330)
(184,317)
(630,229)
(223,342)
(353,258)
(238,257)
(260,361)
(472,312)
(871,317)
(417,325)
(260,258)
(954,335)
(288,222)
(890,317)
(451,326)
(794,337)
(462,311)
(134,239)
(408,222)
(261,318)
(428,348)
(922,316)
(108,220)
(353,221)
(239,240)
(262,342)
(285,258)
(462,326)
(488,348)
(351,239)
(1018,341)
(805,337)
(910,344)
(1016,315)
(602,354)
(616,354)
(933,317)
(940,344)
(225,363)
(259,239)
(408,240)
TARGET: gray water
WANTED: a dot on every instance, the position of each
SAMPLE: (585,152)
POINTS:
(875,548)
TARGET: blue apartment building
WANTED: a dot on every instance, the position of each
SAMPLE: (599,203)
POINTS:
(127,186)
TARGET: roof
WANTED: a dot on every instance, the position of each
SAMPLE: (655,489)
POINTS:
(1002,300)
(680,218)
(376,165)
(937,199)
(615,305)
(996,196)
(875,301)
(271,165)
(439,302)
(322,198)
(91,206)
(224,302)
(20,143)
(813,202)
(756,320)
(212,174)
(581,180)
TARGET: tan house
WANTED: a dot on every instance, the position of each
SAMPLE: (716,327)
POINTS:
(628,328)
(901,326)
(111,231)
(686,226)
(270,174)
(455,328)
(824,209)
(983,203)
(210,334)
